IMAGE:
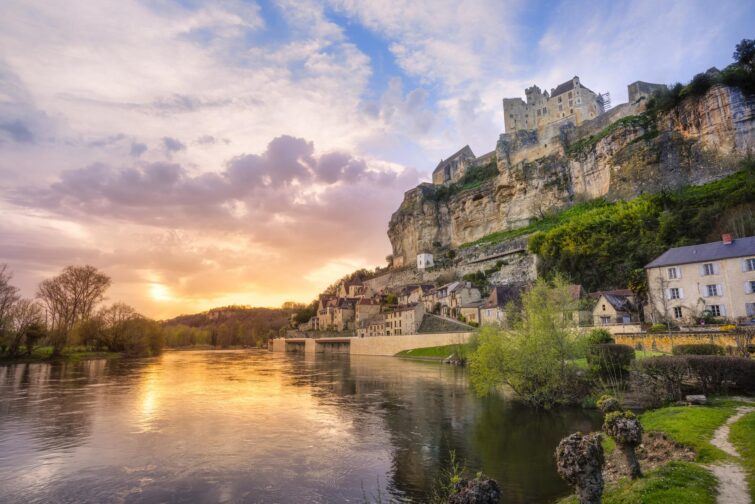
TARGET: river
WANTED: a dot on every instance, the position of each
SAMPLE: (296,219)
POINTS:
(251,426)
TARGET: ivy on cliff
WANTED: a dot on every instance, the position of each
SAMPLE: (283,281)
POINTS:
(473,178)
(607,246)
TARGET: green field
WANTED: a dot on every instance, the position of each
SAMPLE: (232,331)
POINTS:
(434,353)
(742,435)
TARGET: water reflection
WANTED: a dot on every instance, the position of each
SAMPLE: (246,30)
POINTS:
(257,427)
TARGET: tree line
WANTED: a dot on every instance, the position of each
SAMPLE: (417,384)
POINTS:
(68,310)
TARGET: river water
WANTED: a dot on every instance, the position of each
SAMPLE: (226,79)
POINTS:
(251,426)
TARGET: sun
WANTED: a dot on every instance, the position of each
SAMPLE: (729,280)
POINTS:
(159,292)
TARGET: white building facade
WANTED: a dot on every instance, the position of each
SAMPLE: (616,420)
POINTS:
(715,279)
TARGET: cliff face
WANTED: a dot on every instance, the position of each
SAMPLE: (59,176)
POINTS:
(618,156)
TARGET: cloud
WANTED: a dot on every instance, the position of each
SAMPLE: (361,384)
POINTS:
(17,131)
(137,149)
(172,145)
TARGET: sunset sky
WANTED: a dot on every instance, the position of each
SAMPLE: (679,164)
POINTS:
(212,153)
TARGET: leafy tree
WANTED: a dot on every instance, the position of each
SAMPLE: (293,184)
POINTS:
(534,357)
(744,54)
(8,298)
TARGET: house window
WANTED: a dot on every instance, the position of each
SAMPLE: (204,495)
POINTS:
(677,312)
(674,293)
(750,309)
(713,290)
(673,273)
(708,269)
(750,264)
(750,287)
(714,310)
(605,320)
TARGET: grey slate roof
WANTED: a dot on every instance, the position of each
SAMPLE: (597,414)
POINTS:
(740,247)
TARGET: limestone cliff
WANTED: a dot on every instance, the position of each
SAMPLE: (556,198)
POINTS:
(618,155)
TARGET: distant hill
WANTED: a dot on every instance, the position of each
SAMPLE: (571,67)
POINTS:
(227,326)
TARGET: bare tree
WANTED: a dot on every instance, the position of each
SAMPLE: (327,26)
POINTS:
(8,297)
(26,317)
(71,298)
(115,320)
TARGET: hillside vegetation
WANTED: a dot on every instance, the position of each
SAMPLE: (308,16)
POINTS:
(606,245)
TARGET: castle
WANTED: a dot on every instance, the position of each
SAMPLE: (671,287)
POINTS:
(544,118)
(568,101)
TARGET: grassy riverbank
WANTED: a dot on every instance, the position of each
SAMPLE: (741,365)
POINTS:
(69,354)
(743,437)
(688,482)
(435,353)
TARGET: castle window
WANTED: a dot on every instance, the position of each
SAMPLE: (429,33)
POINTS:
(545,110)
(569,94)
(571,103)
(571,111)
(560,108)
(559,99)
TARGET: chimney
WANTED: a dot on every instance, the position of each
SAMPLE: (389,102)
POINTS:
(727,239)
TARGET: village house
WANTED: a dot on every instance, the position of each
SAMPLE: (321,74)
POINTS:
(404,319)
(424,260)
(614,307)
(493,310)
(366,308)
(373,326)
(470,312)
(717,279)
(452,169)
(352,289)
(413,293)
(343,314)
(325,311)
(458,295)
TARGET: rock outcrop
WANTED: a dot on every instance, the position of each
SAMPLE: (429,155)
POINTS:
(618,155)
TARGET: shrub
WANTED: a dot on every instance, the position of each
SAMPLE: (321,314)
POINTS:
(718,375)
(610,358)
(698,349)
(658,328)
(728,327)
(599,336)
(659,379)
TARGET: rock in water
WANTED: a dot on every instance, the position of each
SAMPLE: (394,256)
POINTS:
(476,491)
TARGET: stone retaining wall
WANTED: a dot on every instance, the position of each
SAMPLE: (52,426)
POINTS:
(664,342)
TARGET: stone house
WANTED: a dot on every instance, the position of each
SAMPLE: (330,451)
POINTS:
(460,294)
(366,308)
(452,169)
(471,312)
(352,289)
(343,314)
(404,319)
(373,326)
(493,310)
(614,307)
(325,312)
(413,293)
(569,100)
(424,260)
(718,278)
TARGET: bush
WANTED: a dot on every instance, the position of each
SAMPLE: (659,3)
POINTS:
(698,349)
(658,328)
(660,379)
(599,336)
(610,358)
(718,375)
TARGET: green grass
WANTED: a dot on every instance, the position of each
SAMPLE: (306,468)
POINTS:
(692,426)
(436,352)
(70,354)
(742,436)
(673,483)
